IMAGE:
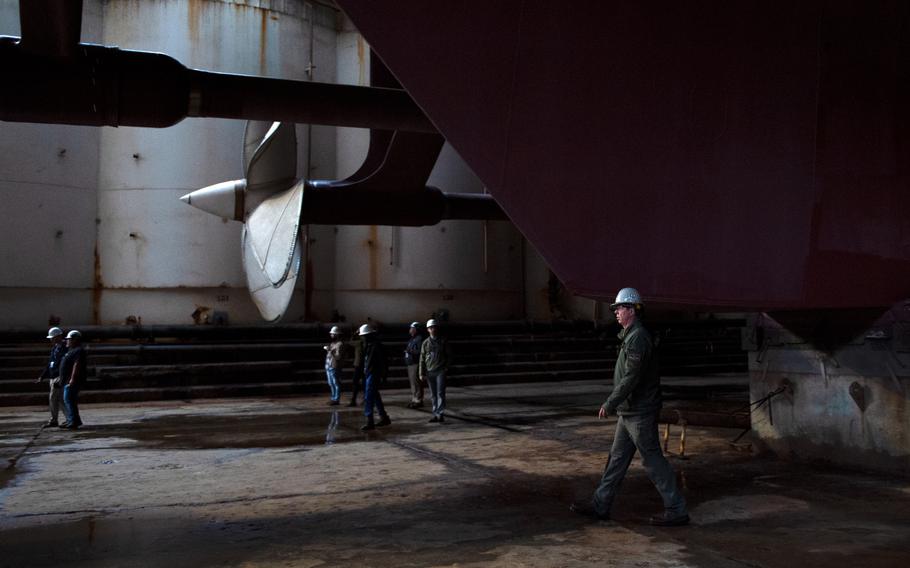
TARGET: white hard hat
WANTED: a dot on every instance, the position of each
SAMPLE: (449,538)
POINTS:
(627,296)
(415,324)
(365,329)
(74,333)
(334,330)
(54,332)
(431,323)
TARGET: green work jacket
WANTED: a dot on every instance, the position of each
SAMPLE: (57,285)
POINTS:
(434,355)
(636,379)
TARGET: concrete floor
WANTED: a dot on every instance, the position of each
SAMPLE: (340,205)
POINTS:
(288,482)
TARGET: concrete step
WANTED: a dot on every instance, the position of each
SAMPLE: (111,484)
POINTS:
(175,354)
(167,393)
(28,373)
(23,386)
(227,371)
(163,376)
(187,361)
(92,393)
(727,386)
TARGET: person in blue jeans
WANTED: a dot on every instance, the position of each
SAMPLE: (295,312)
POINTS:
(375,369)
(636,399)
(334,354)
(73,372)
(434,367)
(412,361)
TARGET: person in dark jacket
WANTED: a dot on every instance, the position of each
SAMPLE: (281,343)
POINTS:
(51,372)
(356,345)
(73,373)
(375,369)
(434,368)
(636,399)
(412,360)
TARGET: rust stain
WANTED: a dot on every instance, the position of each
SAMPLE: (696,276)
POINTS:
(373,246)
(97,288)
(194,15)
(361,61)
(263,40)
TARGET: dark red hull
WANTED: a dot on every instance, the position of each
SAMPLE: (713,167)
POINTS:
(742,154)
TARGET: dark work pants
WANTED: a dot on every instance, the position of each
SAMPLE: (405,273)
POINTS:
(355,383)
(371,397)
(638,433)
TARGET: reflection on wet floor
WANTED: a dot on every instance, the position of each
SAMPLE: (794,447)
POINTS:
(490,487)
(199,431)
(332,428)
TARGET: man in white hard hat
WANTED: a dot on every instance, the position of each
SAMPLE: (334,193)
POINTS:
(412,361)
(334,355)
(375,369)
(51,372)
(73,373)
(434,365)
(636,400)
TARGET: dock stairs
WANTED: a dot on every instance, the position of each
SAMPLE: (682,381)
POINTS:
(151,363)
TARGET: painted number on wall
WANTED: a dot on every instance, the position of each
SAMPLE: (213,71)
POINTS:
(222,298)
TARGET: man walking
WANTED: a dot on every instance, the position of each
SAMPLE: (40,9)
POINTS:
(73,372)
(412,360)
(51,372)
(375,368)
(334,353)
(434,365)
(356,345)
(636,399)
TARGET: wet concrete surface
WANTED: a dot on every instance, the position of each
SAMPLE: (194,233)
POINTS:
(292,482)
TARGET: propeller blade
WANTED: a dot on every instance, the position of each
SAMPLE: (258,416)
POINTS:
(272,232)
(272,167)
(271,300)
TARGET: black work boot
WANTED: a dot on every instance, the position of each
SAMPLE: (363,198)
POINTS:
(384,420)
(586,509)
(368,426)
(668,519)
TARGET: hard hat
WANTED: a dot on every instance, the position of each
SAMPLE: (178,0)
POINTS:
(415,324)
(431,323)
(74,334)
(54,332)
(627,296)
(365,329)
(334,330)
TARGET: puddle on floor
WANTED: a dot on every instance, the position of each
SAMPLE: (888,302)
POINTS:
(200,431)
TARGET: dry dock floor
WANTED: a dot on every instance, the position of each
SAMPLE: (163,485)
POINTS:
(290,482)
